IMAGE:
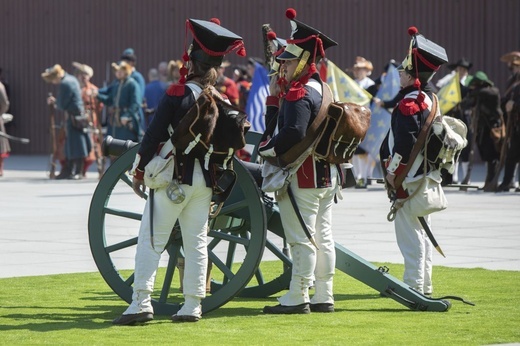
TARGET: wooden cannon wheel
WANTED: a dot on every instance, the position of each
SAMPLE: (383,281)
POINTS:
(237,234)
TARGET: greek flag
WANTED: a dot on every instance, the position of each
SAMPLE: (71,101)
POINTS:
(380,119)
(255,105)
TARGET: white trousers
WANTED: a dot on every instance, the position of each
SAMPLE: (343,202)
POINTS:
(192,214)
(315,206)
(417,251)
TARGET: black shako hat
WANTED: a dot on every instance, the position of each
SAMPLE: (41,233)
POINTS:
(462,62)
(424,57)
(304,38)
(212,41)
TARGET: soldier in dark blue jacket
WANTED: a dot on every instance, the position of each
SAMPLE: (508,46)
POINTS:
(316,181)
(191,206)
(77,143)
(421,63)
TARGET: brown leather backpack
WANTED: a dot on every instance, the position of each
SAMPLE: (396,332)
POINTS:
(335,133)
(211,129)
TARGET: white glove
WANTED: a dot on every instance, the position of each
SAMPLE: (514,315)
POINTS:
(266,148)
(7,117)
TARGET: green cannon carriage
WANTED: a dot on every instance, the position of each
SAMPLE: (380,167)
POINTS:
(247,225)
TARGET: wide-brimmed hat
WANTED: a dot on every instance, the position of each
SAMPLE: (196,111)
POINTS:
(52,72)
(480,78)
(304,38)
(363,63)
(83,68)
(511,58)
(174,64)
(462,62)
(122,65)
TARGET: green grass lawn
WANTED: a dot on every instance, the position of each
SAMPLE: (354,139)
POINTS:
(76,309)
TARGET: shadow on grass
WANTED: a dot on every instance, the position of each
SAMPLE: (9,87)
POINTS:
(51,318)
(106,306)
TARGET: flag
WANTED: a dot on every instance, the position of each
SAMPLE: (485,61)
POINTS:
(449,95)
(344,88)
(255,105)
(380,119)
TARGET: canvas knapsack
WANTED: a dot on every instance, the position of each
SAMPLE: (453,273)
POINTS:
(445,141)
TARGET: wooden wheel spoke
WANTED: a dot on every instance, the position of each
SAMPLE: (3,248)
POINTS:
(121,245)
(259,277)
(234,207)
(228,237)
(277,252)
(170,270)
(228,274)
(123,213)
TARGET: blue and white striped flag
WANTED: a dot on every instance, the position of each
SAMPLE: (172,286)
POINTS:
(255,105)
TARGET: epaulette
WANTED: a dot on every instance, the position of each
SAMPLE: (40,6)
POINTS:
(409,107)
(176,90)
(296,92)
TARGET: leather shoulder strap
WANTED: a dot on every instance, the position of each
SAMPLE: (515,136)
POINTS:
(312,131)
(419,145)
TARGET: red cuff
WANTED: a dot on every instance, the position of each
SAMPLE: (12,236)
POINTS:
(139,174)
(272,101)
(400,168)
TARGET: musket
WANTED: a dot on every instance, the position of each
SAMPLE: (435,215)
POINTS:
(98,135)
(268,47)
(52,160)
(474,128)
(503,152)
(268,60)
(13,138)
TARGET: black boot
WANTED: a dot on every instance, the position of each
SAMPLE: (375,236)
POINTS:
(490,175)
(77,172)
(509,172)
(66,170)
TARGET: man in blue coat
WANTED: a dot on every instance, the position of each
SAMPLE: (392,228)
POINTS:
(130,58)
(77,144)
(124,98)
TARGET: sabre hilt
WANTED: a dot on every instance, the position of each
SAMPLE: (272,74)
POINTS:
(116,147)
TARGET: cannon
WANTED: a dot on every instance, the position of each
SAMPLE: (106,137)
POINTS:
(247,225)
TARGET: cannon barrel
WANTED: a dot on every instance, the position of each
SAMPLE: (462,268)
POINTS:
(116,147)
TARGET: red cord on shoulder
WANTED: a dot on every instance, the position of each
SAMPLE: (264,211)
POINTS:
(295,93)
(176,90)
(408,107)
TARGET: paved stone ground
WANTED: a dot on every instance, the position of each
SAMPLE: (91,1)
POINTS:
(43,224)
